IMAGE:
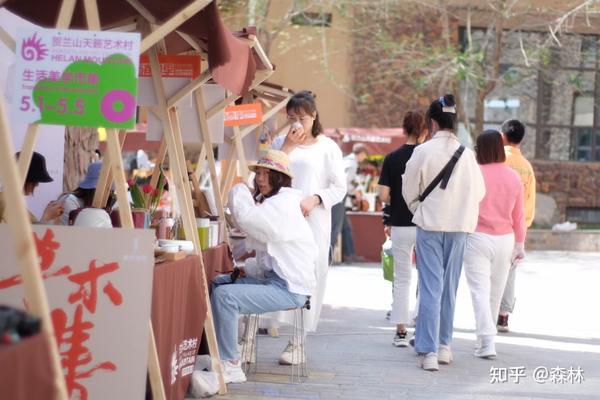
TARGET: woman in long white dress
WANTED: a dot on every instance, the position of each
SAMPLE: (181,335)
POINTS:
(316,163)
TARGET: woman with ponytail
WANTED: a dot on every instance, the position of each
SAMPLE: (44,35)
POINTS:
(316,163)
(442,186)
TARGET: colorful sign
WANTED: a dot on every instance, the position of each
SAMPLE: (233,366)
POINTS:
(244,114)
(99,286)
(172,66)
(76,78)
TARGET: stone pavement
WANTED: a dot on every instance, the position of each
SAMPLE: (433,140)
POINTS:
(556,324)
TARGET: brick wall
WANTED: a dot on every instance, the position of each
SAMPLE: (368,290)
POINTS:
(571,184)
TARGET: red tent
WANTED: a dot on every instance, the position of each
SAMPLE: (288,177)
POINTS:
(377,140)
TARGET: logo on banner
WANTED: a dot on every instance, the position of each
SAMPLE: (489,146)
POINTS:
(183,358)
(33,49)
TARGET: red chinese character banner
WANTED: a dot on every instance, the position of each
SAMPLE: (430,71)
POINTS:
(99,286)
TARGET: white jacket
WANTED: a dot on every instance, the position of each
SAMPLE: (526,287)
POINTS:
(285,241)
(454,209)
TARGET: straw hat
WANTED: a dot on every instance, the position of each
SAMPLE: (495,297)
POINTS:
(275,160)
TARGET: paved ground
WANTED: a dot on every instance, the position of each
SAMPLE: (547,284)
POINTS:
(557,324)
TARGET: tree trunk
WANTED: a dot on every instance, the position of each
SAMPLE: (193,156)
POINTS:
(479,115)
(80,144)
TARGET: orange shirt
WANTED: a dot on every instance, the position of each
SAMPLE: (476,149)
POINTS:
(522,167)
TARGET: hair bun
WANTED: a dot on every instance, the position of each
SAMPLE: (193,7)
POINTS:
(307,94)
(449,100)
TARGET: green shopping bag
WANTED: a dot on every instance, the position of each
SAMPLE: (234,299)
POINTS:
(387,260)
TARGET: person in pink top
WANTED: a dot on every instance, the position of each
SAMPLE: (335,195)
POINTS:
(498,240)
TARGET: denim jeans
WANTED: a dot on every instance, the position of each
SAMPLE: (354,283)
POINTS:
(439,263)
(246,296)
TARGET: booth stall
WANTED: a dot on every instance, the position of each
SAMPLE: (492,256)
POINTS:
(237,64)
(366,217)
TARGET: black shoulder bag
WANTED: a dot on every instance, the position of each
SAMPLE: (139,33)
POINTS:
(444,175)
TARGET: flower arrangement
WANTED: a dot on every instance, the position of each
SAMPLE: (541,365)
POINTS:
(146,197)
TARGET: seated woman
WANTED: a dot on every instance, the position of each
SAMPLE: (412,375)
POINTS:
(36,174)
(83,196)
(282,274)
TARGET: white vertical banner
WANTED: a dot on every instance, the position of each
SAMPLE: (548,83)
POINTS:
(99,286)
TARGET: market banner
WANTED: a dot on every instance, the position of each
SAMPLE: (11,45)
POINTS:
(243,114)
(99,285)
(76,77)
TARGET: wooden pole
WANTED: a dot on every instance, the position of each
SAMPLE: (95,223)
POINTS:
(172,136)
(107,188)
(162,152)
(241,156)
(91,15)
(17,217)
(8,40)
(116,166)
(172,24)
(27,151)
(202,117)
(63,21)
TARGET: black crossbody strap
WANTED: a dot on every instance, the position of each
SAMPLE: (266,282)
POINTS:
(444,175)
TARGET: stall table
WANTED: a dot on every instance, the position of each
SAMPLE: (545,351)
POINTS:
(368,235)
(178,312)
(26,374)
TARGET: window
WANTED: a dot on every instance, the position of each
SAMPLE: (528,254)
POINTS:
(312,19)
(558,99)
(584,215)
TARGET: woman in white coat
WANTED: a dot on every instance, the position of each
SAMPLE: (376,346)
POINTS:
(282,274)
(317,166)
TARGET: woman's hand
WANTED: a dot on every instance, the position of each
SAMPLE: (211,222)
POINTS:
(53,210)
(308,203)
(295,136)
(518,254)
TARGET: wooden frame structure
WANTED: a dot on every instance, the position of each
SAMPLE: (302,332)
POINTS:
(13,175)
(275,98)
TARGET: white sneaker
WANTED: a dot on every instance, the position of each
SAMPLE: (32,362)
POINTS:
(429,362)
(232,372)
(444,355)
(400,339)
(486,347)
(291,355)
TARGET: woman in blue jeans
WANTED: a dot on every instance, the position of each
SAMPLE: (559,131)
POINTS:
(443,219)
(282,274)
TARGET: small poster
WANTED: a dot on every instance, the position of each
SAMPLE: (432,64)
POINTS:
(76,77)
(243,114)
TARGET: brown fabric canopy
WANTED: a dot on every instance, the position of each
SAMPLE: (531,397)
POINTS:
(230,59)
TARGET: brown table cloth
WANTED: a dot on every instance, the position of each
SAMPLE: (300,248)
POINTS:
(217,261)
(178,313)
(25,370)
(367,232)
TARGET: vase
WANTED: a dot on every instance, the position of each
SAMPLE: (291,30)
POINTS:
(141,218)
